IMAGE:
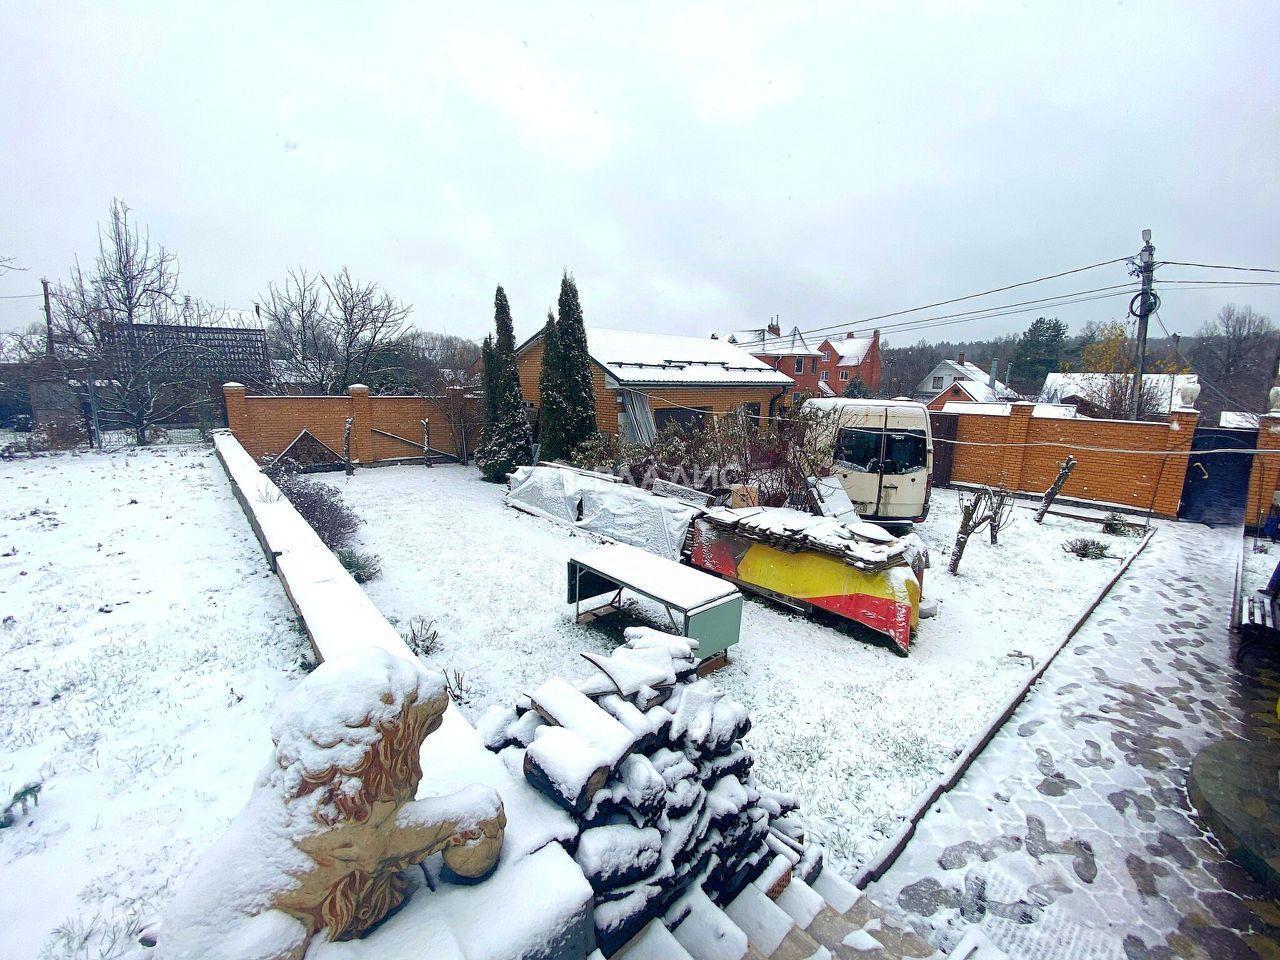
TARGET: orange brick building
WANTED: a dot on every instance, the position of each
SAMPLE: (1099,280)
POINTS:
(642,381)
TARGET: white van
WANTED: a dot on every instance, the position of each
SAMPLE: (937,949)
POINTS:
(883,454)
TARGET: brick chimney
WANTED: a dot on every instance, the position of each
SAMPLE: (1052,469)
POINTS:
(774,329)
(960,359)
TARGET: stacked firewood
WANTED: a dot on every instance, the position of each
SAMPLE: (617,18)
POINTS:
(649,761)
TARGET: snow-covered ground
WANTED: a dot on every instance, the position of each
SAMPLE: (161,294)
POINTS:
(145,643)
(854,730)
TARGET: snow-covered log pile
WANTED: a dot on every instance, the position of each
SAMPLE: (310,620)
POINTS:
(648,759)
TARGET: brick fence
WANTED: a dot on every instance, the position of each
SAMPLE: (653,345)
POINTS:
(1264,477)
(383,428)
(1147,481)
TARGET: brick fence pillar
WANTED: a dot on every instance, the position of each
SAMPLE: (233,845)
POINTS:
(1173,472)
(1015,455)
(1264,477)
(361,434)
(237,411)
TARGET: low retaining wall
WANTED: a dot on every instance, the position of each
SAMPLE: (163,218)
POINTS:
(335,611)
(382,428)
(1023,452)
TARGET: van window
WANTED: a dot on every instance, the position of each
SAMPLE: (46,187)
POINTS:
(904,451)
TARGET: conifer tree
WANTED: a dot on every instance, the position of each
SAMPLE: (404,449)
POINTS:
(509,441)
(551,395)
(489,364)
(580,399)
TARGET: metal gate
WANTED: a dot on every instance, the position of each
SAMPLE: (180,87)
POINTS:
(1217,484)
(943,426)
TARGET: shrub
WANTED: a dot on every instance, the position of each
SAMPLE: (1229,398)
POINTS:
(1117,526)
(320,505)
(423,638)
(1087,548)
(363,567)
(60,432)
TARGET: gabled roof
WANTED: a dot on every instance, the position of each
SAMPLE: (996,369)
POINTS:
(635,359)
(851,350)
(763,342)
(975,381)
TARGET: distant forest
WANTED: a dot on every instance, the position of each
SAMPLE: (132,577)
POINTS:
(1236,356)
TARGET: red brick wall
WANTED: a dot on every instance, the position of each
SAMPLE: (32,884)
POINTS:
(1143,481)
(267,425)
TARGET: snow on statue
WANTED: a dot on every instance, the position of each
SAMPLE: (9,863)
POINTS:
(332,820)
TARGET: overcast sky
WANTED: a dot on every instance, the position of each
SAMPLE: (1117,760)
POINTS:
(698,168)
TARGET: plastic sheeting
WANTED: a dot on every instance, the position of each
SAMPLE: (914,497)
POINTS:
(611,509)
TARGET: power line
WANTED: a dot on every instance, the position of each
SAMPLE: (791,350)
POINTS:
(943,303)
(21,296)
(1216,266)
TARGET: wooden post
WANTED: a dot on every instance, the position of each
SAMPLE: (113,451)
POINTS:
(346,446)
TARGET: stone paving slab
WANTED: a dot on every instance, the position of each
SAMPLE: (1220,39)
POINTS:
(1072,835)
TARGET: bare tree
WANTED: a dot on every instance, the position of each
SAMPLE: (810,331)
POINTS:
(120,337)
(1237,352)
(1064,471)
(464,414)
(329,332)
(987,507)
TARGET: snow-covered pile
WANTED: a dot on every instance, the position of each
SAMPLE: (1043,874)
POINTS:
(649,762)
(860,544)
(604,506)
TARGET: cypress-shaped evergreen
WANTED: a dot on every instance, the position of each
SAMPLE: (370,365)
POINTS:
(580,398)
(553,413)
(489,364)
(509,440)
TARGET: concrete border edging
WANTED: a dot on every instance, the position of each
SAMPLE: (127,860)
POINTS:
(336,613)
(878,865)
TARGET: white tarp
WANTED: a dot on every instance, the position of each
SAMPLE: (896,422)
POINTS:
(609,508)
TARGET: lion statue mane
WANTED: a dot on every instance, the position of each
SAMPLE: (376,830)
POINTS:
(332,821)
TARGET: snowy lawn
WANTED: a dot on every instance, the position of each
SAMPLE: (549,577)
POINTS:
(145,643)
(850,727)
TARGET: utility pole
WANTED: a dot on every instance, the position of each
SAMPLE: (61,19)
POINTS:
(48,320)
(1146,304)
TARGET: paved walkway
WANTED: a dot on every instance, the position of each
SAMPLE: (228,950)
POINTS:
(1072,835)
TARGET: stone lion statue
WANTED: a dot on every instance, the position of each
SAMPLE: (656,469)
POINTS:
(332,820)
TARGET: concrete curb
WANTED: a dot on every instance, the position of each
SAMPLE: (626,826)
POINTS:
(876,867)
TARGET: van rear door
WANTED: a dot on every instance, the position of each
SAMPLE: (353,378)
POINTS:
(884,471)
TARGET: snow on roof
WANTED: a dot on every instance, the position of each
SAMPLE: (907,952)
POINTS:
(1058,386)
(1238,420)
(852,350)
(762,341)
(635,359)
(1049,411)
(976,381)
